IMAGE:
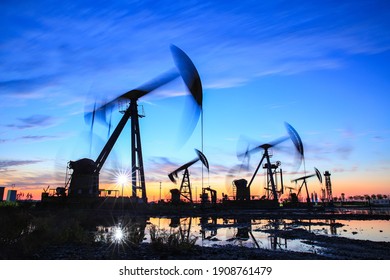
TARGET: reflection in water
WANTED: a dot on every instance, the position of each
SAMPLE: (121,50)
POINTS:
(183,225)
(333,227)
(242,230)
(208,229)
(276,241)
(274,234)
(130,231)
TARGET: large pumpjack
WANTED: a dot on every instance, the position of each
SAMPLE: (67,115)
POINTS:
(84,181)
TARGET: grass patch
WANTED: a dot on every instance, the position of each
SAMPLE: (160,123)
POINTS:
(22,233)
(8,204)
(177,241)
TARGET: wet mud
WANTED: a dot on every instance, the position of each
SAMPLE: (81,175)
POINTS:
(323,246)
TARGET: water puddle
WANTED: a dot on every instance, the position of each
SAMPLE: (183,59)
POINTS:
(279,234)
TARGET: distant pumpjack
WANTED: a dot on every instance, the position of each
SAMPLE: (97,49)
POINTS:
(185,187)
(328,186)
(295,138)
(304,183)
(205,198)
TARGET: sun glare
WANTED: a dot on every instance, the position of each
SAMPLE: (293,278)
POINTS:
(122,179)
(118,235)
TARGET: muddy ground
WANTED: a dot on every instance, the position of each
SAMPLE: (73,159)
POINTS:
(58,235)
(332,248)
(324,247)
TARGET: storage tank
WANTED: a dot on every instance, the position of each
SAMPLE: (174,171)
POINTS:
(1,193)
(11,195)
(242,191)
(175,196)
(84,181)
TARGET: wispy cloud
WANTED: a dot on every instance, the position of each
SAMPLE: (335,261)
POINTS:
(160,167)
(55,54)
(32,181)
(34,121)
(4,164)
(349,169)
(248,40)
(30,138)
(26,88)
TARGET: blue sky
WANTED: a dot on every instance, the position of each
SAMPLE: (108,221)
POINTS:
(322,67)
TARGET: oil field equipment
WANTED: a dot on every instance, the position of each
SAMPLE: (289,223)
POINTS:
(185,187)
(175,196)
(275,172)
(328,185)
(295,138)
(84,181)
(205,198)
(11,195)
(2,193)
(241,189)
(304,183)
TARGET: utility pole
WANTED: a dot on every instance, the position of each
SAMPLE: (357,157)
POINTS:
(160,192)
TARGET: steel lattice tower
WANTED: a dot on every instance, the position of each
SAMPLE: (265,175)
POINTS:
(328,185)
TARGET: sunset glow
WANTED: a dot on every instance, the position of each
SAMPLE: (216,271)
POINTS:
(322,67)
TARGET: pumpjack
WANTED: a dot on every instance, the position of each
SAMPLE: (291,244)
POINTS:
(304,183)
(185,187)
(84,181)
(205,196)
(271,168)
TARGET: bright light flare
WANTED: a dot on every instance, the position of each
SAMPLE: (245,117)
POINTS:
(118,235)
(122,179)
